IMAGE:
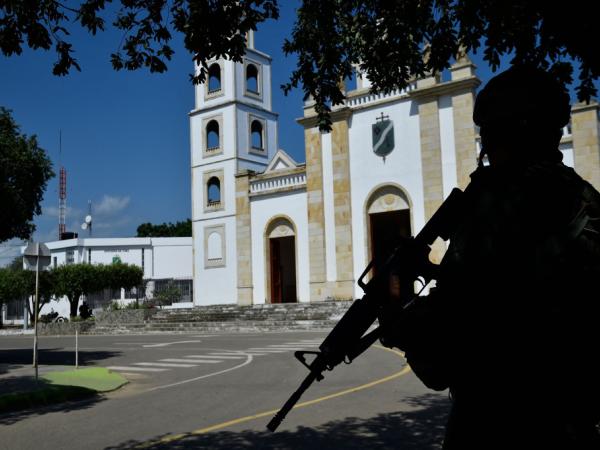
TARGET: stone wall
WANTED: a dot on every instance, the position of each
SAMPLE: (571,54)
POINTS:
(124,316)
(65,328)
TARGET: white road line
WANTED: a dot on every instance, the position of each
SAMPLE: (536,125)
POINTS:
(287,348)
(301,343)
(165,344)
(229,354)
(245,363)
(159,364)
(134,369)
(268,350)
(255,353)
(216,357)
(199,361)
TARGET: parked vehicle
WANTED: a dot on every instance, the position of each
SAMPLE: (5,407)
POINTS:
(52,316)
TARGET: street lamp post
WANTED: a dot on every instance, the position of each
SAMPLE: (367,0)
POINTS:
(36,256)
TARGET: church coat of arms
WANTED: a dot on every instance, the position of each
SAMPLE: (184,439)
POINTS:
(383,136)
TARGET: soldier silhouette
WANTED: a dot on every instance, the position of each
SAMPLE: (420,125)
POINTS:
(512,326)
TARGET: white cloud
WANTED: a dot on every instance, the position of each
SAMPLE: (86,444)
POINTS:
(9,250)
(110,205)
(52,211)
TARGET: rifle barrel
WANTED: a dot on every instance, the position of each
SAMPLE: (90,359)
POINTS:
(278,418)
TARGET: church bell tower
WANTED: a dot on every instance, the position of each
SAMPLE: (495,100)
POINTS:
(232,129)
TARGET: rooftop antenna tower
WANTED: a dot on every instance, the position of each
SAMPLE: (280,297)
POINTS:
(62,192)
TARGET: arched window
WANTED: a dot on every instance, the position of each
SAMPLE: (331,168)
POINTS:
(256,135)
(214,78)
(212,135)
(252,79)
(213,188)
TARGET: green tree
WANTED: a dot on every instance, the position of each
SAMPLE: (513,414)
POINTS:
(168,295)
(24,173)
(46,290)
(75,280)
(120,275)
(17,283)
(391,41)
(178,229)
(11,287)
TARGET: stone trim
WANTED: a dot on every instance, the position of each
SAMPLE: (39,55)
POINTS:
(431,162)
(464,136)
(310,121)
(275,222)
(206,152)
(446,88)
(340,150)
(253,150)
(316,217)
(220,175)
(586,142)
(243,226)
(370,199)
(208,231)
(259,80)
(220,92)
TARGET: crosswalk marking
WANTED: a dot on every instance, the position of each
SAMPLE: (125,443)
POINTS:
(134,369)
(159,364)
(199,361)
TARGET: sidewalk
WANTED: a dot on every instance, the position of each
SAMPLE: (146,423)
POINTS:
(15,332)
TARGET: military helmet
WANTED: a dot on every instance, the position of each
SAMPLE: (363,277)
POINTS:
(525,97)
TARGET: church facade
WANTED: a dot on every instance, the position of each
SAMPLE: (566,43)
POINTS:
(267,229)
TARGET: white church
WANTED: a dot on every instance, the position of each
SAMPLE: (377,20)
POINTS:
(267,229)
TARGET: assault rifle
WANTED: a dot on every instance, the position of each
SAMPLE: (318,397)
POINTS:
(350,336)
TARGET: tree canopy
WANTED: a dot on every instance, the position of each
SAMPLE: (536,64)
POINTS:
(178,229)
(391,41)
(24,173)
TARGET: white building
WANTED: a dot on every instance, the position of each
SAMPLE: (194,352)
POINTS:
(268,230)
(164,261)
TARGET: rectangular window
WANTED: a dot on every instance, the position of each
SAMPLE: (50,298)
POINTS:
(70,256)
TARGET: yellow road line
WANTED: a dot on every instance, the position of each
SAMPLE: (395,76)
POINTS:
(229,423)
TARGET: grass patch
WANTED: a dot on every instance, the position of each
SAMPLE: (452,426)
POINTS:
(97,379)
(57,387)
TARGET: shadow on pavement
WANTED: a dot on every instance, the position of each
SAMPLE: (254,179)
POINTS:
(75,399)
(14,358)
(16,375)
(418,429)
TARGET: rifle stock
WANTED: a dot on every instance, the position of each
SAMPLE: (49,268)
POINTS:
(350,337)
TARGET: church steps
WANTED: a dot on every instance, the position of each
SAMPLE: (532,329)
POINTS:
(232,318)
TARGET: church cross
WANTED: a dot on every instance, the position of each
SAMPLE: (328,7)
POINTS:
(382,118)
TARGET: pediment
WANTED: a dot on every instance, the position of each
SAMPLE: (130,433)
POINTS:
(281,161)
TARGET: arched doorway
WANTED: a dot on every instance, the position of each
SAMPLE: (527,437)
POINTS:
(388,220)
(281,261)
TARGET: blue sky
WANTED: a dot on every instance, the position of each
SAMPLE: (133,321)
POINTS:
(125,135)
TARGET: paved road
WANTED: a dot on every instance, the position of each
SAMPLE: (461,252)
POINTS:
(219,391)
